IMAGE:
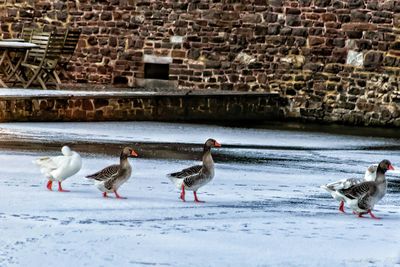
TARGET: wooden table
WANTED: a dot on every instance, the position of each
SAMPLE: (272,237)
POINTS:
(9,64)
(12,40)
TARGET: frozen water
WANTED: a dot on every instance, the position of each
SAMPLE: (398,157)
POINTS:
(264,207)
(161,132)
(19,92)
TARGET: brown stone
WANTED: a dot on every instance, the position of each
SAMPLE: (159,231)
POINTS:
(106,16)
(359,27)
(251,18)
(314,40)
(178,53)
(373,59)
(87,104)
(328,17)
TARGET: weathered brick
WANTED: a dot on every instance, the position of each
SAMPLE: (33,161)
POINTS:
(322,3)
(373,59)
(314,40)
(328,17)
(359,27)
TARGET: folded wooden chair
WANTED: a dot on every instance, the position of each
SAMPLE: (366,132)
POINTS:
(53,57)
(70,44)
(35,59)
(27,32)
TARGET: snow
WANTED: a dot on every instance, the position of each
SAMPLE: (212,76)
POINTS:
(19,92)
(161,132)
(264,207)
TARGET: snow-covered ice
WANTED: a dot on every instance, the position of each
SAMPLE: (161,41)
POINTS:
(264,207)
(19,92)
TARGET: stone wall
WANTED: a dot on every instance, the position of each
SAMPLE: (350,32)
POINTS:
(333,60)
(158,107)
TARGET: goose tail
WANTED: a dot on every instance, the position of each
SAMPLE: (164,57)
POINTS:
(175,180)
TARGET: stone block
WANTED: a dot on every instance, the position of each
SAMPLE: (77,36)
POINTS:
(328,17)
(106,16)
(178,54)
(361,26)
(343,18)
(373,59)
(273,29)
(356,4)
(293,20)
(354,34)
(294,11)
(251,18)
(322,3)
(315,40)
(359,16)
(270,17)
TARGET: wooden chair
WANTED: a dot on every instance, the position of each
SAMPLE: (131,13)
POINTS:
(26,33)
(53,57)
(35,59)
(70,44)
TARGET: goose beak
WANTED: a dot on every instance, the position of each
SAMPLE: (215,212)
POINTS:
(133,154)
(216,144)
(391,168)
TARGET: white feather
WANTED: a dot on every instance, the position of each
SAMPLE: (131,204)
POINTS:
(59,168)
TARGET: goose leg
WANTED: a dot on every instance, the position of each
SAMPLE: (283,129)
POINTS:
(105,194)
(196,199)
(60,189)
(49,184)
(372,215)
(341,206)
(118,196)
(183,193)
(360,214)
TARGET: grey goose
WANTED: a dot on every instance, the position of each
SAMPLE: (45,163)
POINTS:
(194,177)
(109,179)
(361,194)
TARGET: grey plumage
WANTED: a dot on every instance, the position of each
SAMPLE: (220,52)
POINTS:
(194,177)
(360,194)
(112,177)
(105,174)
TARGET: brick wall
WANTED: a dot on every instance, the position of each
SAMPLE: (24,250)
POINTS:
(333,60)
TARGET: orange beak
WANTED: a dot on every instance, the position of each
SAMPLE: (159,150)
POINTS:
(133,154)
(216,144)
(391,168)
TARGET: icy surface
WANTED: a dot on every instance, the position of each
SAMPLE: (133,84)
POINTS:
(33,92)
(184,133)
(265,209)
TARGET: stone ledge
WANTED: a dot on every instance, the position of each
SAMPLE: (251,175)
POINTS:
(153,107)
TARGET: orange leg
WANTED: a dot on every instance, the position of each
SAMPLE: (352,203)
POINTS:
(183,193)
(60,189)
(196,199)
(118,196)
(49,184)
(341,207)
(105,194)
(372,215)
(360,215)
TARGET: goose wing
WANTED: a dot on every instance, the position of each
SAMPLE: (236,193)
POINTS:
(105,173)
(360,190)
(188,172)
(49,164)
(343,184)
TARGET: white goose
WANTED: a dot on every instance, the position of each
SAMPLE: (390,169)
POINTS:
(59,168)
(361,194)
